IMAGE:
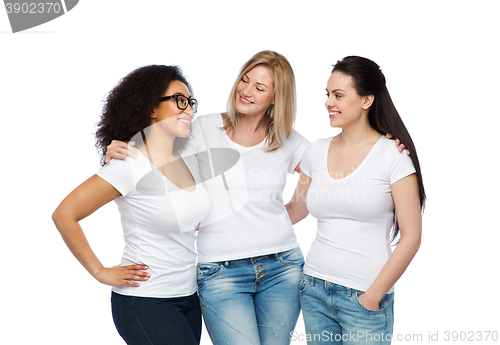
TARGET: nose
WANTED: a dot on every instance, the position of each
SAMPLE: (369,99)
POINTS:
(189,106)
(330,102)
(246,89)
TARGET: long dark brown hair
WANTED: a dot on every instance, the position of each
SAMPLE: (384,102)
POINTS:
(368,79)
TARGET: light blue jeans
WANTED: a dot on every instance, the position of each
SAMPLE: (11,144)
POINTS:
(333,315)
(253,301)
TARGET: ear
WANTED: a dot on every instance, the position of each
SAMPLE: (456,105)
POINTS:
(153,115)
(368,101)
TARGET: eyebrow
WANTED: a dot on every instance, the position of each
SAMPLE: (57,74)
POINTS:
(246,76)
(334,90)
(181,94)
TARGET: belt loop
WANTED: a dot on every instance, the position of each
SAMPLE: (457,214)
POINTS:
(276,256)
(349,292)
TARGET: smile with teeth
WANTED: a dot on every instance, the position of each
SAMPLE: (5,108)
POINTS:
(333,113)
(244,100)
(184,121)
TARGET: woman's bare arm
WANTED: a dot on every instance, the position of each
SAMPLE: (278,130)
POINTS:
(81,202)
(407,203)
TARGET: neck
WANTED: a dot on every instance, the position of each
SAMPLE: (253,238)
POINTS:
(157,146)
(253,124)
(358,134)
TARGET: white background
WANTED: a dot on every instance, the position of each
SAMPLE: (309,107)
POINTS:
(441,60)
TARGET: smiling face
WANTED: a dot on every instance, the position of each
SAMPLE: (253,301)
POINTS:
(174,120)
(255,92)
(344,105)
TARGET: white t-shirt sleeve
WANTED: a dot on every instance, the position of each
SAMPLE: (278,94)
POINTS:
(399,164)
(118,174)
(300,145)
(305,163)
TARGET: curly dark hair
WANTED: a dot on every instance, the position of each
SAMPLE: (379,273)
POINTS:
(127,108)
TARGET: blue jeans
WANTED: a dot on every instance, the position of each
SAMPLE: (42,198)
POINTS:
(253,301)
(333,315)
(152,321)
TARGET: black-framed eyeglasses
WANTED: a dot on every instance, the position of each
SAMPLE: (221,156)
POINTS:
(182,102)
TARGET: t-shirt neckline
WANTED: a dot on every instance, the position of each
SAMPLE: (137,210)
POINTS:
(153,168)
(357,168)
(231,142)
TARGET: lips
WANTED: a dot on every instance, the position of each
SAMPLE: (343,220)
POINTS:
(333,114)
(244,100)
(184,120)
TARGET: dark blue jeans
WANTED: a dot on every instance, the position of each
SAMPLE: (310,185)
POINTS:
(155,321)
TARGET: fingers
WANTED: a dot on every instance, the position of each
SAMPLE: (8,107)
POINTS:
(120,150)
(399,144)
(131,283)
(133,280)
(137,267)
(401,147)
(130,275)
(137,272)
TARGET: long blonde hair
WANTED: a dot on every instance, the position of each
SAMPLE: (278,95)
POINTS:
(282,112)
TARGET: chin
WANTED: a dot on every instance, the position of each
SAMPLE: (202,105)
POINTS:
(334,124)
(241,111)
(184,133)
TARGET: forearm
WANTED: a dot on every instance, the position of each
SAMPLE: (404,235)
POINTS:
(297,208)
(394,268)
(296,212)
(408,209)
(83,201)
(77,243)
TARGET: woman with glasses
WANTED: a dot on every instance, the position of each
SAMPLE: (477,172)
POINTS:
(161,201)
(359,187)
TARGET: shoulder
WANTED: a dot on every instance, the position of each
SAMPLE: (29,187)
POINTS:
(122,166)
(118,164)
(209,119)
(317,147)
(389,147)
(297,137)
(397,164)
(321,143)
(121,174)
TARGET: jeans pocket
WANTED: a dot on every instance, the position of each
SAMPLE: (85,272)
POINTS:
(292,257)
(304,285)
(355,298)
(207,273)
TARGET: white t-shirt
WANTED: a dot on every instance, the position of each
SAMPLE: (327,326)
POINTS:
(158,221)
(245,185)
(355,213)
